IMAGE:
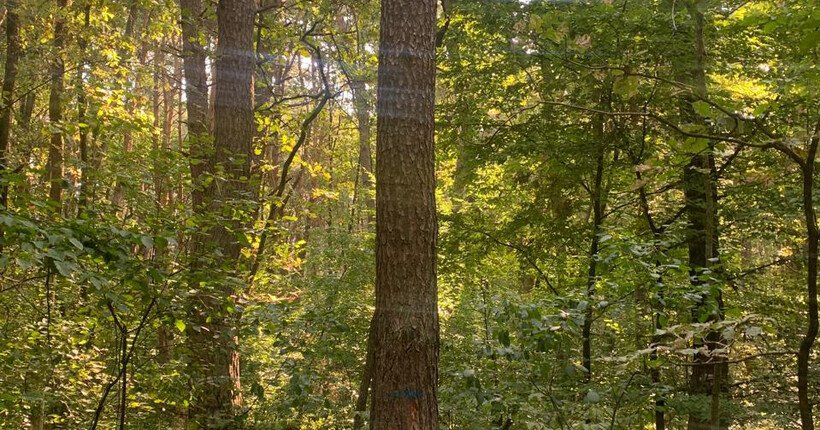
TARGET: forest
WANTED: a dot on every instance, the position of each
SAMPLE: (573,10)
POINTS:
(409,214)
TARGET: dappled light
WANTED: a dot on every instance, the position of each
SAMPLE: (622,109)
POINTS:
(409,214)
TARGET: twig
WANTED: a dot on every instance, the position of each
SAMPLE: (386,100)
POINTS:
(524,252)
(123,367)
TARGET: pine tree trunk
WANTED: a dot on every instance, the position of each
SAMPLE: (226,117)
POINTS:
(406,341)
(216,402)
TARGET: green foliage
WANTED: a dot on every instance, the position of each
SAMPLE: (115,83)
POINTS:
(535,98)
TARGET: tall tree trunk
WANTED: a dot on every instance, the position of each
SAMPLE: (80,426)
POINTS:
(365,168)
(367,377)
(215,403)
(657,301)
(158,132)
(406,341)
(596,196)
(658,327)
(55,109)
(700,190)
(9,80)
(196,98)
(813,235)
(130,101)
(363,186)
(199,144)
(82,107)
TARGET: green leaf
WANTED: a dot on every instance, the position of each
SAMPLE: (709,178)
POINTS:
(626,86)
(147,241)
(161,242)
(63,268)
(695,145)
(702,108)
(811,41)
(76,243)
(734,313)
(180,325)
(504,338)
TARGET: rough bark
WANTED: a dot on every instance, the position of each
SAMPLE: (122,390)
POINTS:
(27,109)
(406,341)
(9,80)
(217,391)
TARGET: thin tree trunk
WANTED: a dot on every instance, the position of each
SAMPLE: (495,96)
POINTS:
(365,168)
(130,101)
(658,302)
(406,341)
(24,128)
(9,81)
(658,326)
(158,132)
(82,107)
(597,199)
(196,98)
(367,377)
(592,273)
(813,235)
(55,109)
(130,104)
